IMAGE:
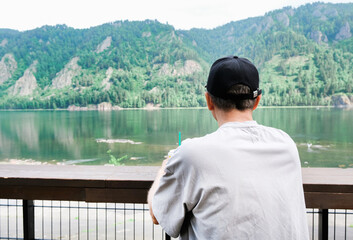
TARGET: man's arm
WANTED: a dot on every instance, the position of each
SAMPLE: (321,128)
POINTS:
(153,190)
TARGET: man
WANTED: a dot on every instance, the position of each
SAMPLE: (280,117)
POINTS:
(242,181)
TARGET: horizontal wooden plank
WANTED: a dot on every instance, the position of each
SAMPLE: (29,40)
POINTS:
(329,188)
(76,183)
(42,193)
(77,176)
(94,176)
(51,182)
(329,200)
(74,194)
(116,195)
(323,187)
(328,176)
(87,173)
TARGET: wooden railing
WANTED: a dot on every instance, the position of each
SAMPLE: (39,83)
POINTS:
(325,188)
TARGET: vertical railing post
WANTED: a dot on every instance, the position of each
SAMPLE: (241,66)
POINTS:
(323,224)
(28,219)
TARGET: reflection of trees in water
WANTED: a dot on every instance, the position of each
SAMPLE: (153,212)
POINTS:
(62,127)
(45,135)
(26,130)
(18,133)
(5,144)
(309,124)
(64,136)
(37,133)
(105,122)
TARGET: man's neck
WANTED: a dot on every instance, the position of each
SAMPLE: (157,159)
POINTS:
(234,115)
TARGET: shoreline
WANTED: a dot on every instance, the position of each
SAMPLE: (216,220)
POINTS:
(155,109)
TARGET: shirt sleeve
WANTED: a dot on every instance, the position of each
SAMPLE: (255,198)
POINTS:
(172,199)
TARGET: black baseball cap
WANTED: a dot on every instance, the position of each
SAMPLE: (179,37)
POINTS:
(229,71)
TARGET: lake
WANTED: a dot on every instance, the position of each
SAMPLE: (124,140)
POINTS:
(324,136)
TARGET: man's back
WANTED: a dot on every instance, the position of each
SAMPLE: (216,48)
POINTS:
(241,182)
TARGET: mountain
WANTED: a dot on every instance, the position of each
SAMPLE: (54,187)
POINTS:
(304,55)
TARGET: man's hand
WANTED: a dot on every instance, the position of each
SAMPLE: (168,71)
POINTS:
(153,189)
(154,219)
(162,169)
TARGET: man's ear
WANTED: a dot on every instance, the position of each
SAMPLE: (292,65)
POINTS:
(257,102)
(210,104)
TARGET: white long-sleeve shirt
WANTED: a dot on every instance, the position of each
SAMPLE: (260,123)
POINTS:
(241,182)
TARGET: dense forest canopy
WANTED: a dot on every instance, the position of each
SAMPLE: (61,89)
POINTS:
(305,57)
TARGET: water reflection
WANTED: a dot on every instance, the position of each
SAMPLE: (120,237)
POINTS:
(324,136)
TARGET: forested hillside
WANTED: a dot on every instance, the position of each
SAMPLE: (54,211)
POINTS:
(305,57)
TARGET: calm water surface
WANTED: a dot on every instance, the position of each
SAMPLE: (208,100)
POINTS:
(324,136)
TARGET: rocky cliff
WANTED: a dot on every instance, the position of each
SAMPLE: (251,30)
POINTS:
(178,69)
(344,33)
(65,76)
(3,42)
(104,45)
(318,37)
(26,84)
(8,65)
(304,56)
(342,100)
(105,83)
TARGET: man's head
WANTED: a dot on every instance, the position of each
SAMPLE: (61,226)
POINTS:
(233,83)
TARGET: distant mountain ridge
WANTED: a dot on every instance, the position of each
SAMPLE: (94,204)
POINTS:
(305,57)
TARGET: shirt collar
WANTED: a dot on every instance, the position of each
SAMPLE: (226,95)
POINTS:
(252,123)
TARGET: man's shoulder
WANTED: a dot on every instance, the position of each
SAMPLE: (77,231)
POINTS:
(206,139)
(215,136)
(191,147)
(276,132)
(275,136)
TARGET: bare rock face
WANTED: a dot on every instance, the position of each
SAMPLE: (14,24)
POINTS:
(3,42)
(146,34)
(342,101)
(318,37)
(189,67)
(65,76)
(267,23)
(104,106)
(283,19)
(317,13)
(323,13)
(104,45)
(117,24)
(154,90)
(230,32)
(331,12)
(78,108)
(151,106)
(105,81)
(26,84)
(351,99)
(173,35)
(8,66)
(344,33)
(290,12)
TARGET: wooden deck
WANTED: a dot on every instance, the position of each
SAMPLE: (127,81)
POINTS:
(328,188)
(325,188)
(76,183)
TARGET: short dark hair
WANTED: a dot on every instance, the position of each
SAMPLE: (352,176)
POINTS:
(239,104)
